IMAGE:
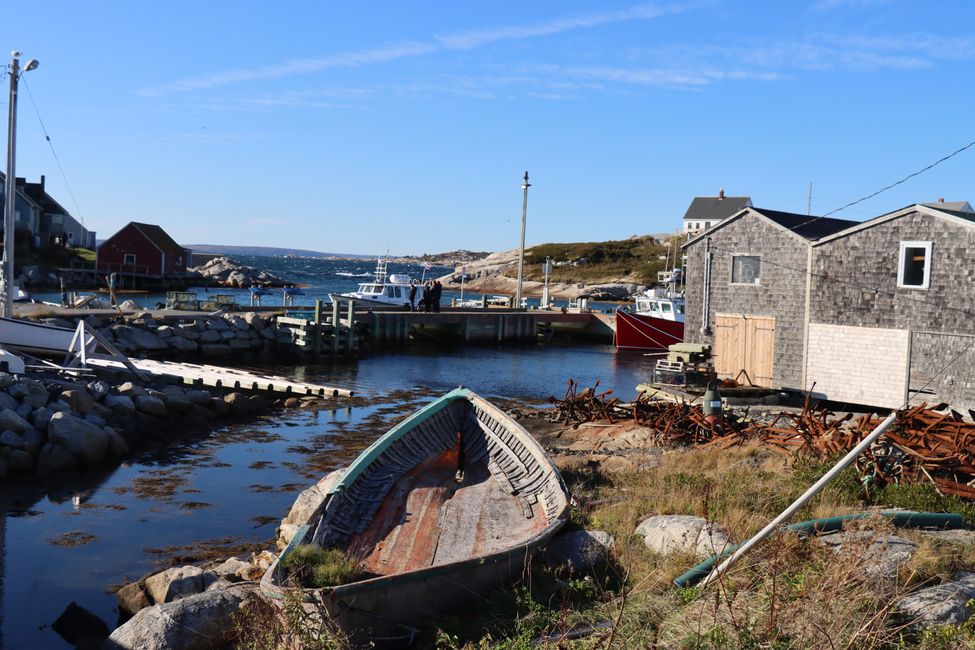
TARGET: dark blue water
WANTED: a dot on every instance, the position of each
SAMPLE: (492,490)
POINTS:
(233,485)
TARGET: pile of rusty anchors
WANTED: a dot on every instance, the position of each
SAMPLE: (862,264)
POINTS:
(587,405)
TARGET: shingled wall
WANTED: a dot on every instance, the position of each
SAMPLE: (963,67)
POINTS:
(781,292)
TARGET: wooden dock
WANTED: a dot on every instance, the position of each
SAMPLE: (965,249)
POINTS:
(346,329)
(219,377)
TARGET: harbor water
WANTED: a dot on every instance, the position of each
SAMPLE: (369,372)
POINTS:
(224,492)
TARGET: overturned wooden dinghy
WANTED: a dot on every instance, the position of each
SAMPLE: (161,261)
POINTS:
(444,507)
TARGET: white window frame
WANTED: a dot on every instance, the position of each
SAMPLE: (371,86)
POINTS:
(926,283)
(125,258)
(745,284)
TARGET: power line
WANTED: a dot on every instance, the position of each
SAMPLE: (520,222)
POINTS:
(54,153)
(892,185)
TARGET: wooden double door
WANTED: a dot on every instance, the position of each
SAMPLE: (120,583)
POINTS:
(744,342)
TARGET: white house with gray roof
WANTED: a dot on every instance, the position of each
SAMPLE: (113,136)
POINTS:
(706,212)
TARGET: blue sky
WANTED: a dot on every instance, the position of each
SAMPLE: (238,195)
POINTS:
(347,127)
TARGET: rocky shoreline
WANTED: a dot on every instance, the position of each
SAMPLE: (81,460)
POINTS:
(225,272)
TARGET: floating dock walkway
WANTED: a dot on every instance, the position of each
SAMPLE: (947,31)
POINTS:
(219,377)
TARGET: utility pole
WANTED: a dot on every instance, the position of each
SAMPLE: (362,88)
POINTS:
(521,257)
(545,295)
(10,188)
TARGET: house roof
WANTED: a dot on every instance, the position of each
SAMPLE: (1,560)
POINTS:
(961,217)
(805,226)
(715,207)
(159,238)
(951,206)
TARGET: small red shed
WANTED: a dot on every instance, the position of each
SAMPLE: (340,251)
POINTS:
(141,249)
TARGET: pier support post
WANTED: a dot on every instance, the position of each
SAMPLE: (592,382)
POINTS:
(316,340)
(350,342)
(335,326)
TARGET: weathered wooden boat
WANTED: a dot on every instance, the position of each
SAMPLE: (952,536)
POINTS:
(36,338)
(446,506)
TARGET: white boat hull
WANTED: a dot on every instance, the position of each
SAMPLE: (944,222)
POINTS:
(35,337)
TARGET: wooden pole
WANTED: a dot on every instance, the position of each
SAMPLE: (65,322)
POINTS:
(316,341)
(802,500)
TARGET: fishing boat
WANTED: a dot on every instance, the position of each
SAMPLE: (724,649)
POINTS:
(384,290)
(446,506)
(36,338)
(655,322)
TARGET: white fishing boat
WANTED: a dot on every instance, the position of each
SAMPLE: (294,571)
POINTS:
(36,338)
(384,290)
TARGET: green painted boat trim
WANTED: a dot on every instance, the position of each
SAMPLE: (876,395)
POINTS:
(899,518)
(376,449)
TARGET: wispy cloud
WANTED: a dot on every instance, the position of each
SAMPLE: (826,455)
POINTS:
(396,51)
(477,38)
(829,5)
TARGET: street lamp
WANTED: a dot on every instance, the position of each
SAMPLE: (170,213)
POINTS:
(10,188)
(521,258)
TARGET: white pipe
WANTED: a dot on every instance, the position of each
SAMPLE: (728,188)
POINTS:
(802,500)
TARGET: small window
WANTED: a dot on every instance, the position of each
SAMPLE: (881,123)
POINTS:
(746,269)
(707,224)
(914,266)
(665,307)
(128,258)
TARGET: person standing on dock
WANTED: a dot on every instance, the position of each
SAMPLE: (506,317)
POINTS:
(412,295)
(435,292)
(427,292)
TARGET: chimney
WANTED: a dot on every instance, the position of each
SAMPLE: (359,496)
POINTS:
(721,195)
(42,182)
(941,200)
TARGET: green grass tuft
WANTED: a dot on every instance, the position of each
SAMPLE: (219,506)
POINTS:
(314,567)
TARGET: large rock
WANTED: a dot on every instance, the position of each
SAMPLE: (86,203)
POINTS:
(198,396)
(132,597)
(218,325)
(53,458)
(150,405)
(682,534)
(30,391)
(139,338)
(880,555)
(192,623)
(10,421)
(7,402)
(176,399)
(41,417)
(182,344)
(210,336)
(11,439)
(20,461)
(255,320)
(175,583)
(944,604)
(120,403)
(99,389)
(83,439)
(579,551)
(79,400)
(130,389)
(235,570)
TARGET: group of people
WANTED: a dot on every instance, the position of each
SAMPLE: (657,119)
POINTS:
(430,298)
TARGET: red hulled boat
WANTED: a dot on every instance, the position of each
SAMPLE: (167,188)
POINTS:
(656,322)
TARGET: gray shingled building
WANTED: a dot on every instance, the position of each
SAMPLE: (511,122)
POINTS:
(865,312)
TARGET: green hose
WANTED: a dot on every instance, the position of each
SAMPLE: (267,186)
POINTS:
(900,518)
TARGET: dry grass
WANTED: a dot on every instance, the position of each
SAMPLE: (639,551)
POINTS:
(788,593)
